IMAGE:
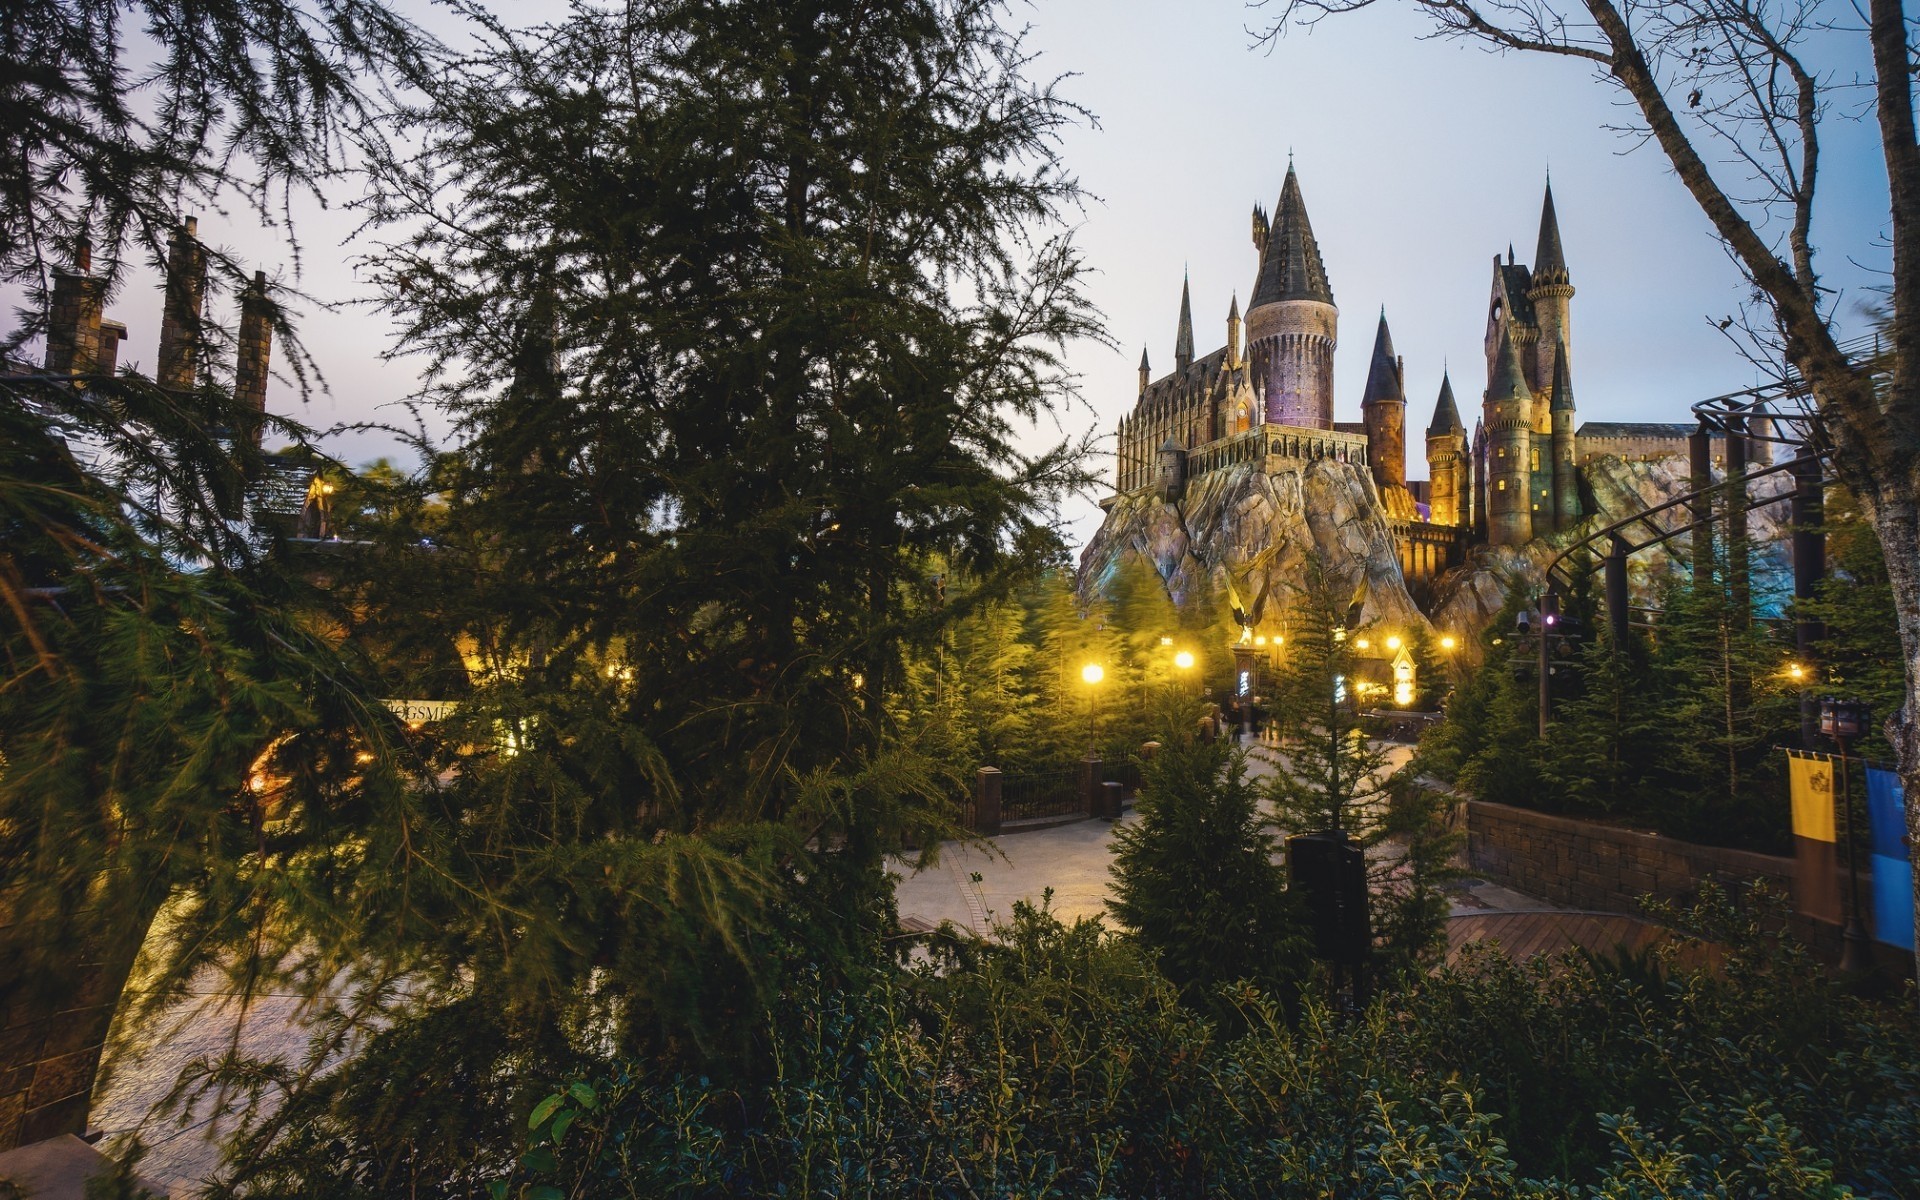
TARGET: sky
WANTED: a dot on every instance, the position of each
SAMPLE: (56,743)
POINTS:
(1419,161)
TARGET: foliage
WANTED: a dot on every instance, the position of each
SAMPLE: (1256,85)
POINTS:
(1194,878)
(1855,608)
(1057,1061)
(119,118)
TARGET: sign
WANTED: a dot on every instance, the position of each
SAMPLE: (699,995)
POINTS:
(416,712)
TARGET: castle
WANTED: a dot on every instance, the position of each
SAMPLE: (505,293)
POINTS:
(1518,478)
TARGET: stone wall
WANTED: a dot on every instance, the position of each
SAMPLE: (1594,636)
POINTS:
(1585,864)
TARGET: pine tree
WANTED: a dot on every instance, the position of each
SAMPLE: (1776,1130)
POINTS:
(1194,877)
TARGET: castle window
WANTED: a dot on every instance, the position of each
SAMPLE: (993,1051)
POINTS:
(1536,458)
(1500,485)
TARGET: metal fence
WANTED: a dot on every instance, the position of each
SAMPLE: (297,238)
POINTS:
(1040,794)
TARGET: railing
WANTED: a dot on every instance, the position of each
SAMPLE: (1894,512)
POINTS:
(1041,794)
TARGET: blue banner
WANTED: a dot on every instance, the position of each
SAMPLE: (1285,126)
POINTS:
(1893,901)
(1892,860)
(1886,813)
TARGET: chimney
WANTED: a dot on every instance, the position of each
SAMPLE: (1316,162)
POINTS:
(186,286)
(73,316)
(106,359)
(254,350)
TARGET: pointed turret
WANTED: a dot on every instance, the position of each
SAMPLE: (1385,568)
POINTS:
(1562,397)
(1292,324)
(1549,261)
(1146,372)
(1383,409)
(1446,414)
(1233,333)
(1383,376)
(1508,396)
(1290,266)
(1183,337)
(1447,469)
(1563,444)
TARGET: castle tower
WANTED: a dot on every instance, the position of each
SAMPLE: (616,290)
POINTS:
(1183,336)
(1146,372)
(254,351)
(1509,447)
(1384,411)
(1551,296)
(1446,461)
(1566,479)
(1291,320)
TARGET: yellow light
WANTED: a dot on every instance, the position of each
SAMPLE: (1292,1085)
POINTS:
(1279,639)
(326,489)
(1393,643)
(1092,673)
(1447,643)
(1183,660)
(1403,694)
(1261,640)
(1339,633)
(1166,641)
(1364,644)
(1796,670)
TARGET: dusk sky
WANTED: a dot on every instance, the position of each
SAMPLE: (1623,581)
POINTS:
(1419,160)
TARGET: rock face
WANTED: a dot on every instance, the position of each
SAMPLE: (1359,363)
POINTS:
(1263,520)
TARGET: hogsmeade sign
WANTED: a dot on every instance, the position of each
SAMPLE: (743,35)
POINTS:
(415,712)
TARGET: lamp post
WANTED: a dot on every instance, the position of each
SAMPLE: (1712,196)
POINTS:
(1843,721)
(1092,674)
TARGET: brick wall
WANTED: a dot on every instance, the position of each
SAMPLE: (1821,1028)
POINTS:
(1584,864)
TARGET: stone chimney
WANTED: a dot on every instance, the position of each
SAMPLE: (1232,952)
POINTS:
(254,350)
(73,316)
(106,359)
(186,287)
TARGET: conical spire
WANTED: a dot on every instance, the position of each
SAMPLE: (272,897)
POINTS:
(1290,267)
(1143,359)
(1183,338)
(1562,381)
(1383,377)
(1233,312)
(1446,414)
(1549,261)
(1508,387)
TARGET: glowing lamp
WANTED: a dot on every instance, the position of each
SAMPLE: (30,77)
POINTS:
(1393,643)
(1092,673)
(1364,644)
(1447,643)
(1183,660)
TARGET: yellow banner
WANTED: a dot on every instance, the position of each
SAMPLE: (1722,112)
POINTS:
(1812,797)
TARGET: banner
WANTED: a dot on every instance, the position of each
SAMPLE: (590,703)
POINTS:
(1892,859)
(1816,874)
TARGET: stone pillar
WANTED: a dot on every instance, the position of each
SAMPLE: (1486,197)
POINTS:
(186,288)
(1090,798)
(107,355)
(986,802)
(253,352)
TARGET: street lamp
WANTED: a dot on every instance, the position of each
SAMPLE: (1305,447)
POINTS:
(1844,721)
(1447,642)
(1092,674)
(1184,660)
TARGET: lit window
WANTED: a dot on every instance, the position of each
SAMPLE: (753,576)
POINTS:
(1500,485)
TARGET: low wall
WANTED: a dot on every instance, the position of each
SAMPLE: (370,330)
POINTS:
(1584,864)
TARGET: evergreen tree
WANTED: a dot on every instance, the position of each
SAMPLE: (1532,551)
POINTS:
(1194,877)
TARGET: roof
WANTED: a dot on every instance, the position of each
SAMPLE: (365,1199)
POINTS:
(1383,376)
(1636,429)
(281,488)
(1549,262)
(1290,267)
(1516,280)
(1446,414)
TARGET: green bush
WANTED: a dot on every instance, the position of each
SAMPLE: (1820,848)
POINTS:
(1059,1062)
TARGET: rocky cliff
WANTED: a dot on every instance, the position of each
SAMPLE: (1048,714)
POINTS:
(1263,522)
